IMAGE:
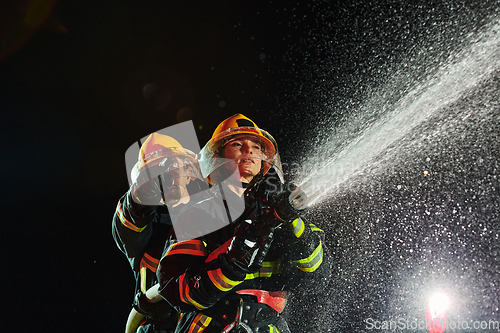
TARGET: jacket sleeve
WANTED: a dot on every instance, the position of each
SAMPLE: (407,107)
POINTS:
(193,276)
(191,279)
(131,227)
(310,262)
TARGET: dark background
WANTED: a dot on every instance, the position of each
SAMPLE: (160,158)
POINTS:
(81,81)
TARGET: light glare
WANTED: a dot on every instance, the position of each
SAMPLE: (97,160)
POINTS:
(438,303)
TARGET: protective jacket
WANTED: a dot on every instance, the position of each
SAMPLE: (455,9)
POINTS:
(140,232)
(197,279)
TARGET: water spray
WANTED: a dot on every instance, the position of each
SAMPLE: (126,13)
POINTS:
(425,100)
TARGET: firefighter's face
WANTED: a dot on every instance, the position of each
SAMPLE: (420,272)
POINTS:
(246,153)
(179,171)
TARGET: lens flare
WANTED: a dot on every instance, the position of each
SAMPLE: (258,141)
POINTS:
(438,303)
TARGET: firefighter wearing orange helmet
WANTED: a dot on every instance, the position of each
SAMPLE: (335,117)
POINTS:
(235,274)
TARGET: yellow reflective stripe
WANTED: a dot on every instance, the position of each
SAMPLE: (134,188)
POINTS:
(273,329)
(200,322)
(126,222)
(149,262)
(184,293)
(298,227)
(143,279)
(314,228)
(268,269)
(311,263)
(192,247)
(221,281)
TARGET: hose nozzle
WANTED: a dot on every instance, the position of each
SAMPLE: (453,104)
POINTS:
(298,199)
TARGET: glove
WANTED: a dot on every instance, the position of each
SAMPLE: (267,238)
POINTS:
(160,311)
(250,246)
(152,182)
(282,209)
(254,236)
(272,200)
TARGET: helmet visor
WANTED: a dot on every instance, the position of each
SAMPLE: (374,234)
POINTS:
(157,161)
(211,156)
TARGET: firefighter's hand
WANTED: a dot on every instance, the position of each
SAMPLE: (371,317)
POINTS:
(160,311)
(250,246)
(283,210)
(152,182)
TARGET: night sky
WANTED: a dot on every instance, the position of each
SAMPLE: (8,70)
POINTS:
(81,81)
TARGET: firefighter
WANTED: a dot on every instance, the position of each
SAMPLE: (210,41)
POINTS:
(162,180)
(238,277)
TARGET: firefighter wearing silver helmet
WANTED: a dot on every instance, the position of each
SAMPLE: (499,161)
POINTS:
(237,278)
